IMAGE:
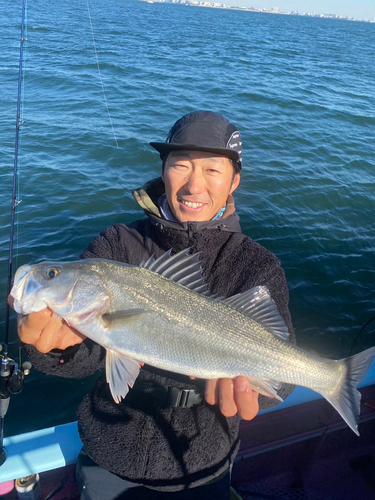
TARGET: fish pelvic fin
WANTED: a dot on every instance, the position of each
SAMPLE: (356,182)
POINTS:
(345,398)
(121,373)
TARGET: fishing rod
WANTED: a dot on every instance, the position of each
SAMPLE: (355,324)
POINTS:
(11,375)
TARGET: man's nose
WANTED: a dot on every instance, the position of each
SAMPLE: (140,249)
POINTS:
(195,182)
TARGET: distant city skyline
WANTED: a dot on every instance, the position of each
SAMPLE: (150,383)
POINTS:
(362,9)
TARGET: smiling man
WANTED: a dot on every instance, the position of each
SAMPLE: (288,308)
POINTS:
(197,184)
(172,437)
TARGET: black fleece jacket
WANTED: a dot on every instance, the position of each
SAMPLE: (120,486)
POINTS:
(167,448)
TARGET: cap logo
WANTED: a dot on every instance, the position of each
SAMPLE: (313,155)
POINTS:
(235,143)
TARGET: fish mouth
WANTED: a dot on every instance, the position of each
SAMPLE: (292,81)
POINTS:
(25,286)
(20,281)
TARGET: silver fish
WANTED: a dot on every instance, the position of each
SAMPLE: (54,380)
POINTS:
(160,313)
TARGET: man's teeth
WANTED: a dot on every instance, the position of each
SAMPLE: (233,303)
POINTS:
(191,204)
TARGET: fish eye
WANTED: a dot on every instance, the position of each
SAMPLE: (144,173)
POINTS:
(52,273)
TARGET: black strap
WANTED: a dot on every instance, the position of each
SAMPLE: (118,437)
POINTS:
(183,398)
(170,396)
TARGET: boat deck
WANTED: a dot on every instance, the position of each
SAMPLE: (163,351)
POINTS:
(308,452)
(301,452)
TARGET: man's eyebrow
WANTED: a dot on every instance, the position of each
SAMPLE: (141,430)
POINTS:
(179,154)
(214,159)
(185,154)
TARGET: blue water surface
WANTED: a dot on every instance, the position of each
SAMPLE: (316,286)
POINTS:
(301,91)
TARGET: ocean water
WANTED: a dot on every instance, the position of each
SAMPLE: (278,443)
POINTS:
(301,91)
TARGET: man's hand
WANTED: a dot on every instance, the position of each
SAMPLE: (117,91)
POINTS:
(233,395)
(46,332)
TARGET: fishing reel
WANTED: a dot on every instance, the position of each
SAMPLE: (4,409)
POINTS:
(11,380)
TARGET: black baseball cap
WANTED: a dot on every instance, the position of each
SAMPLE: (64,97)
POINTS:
(203,131)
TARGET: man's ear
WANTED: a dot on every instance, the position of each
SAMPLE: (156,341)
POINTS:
(235,183)
(163,167)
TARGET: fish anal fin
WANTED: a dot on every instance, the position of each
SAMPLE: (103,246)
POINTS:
(121,373)
(266,387)
(258,305)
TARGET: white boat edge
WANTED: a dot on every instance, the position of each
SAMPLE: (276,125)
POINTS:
(55,447)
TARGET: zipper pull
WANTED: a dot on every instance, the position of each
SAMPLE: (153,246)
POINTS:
(191,229)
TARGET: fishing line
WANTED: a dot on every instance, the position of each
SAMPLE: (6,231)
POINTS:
(359,333)
(100,76)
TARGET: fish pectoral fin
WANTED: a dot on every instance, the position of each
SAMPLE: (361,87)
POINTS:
(266,387)
(121,316)
(121,373)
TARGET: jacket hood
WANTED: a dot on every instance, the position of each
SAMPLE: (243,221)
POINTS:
(147,197)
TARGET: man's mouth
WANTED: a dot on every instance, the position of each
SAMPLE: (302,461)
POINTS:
(191,204)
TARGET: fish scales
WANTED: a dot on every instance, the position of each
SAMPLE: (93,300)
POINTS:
(193,331)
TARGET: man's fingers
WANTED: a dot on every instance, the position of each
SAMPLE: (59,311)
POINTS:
(246,399)
(46,332)
(67,336)
(211,394)
(48,335)
(31,325)
(227,403)
(234,396)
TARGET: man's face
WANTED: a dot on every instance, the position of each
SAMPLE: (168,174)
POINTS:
(197,184)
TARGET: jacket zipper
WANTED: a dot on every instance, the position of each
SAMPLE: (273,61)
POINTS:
(191,230)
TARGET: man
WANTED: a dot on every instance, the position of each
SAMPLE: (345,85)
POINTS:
(164,440)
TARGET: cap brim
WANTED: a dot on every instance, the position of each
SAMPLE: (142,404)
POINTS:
(164,148)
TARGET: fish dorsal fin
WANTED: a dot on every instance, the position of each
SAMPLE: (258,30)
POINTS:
(258,305)
(182,268)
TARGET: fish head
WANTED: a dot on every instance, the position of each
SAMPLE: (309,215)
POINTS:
(72,290)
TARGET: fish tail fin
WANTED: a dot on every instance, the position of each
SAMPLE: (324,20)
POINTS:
(345,397)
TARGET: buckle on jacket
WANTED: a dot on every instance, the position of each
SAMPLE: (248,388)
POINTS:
(183,398)
(169,396)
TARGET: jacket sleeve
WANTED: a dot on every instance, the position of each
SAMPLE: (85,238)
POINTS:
(79,361)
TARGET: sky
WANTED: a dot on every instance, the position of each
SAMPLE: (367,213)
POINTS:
(362,9)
